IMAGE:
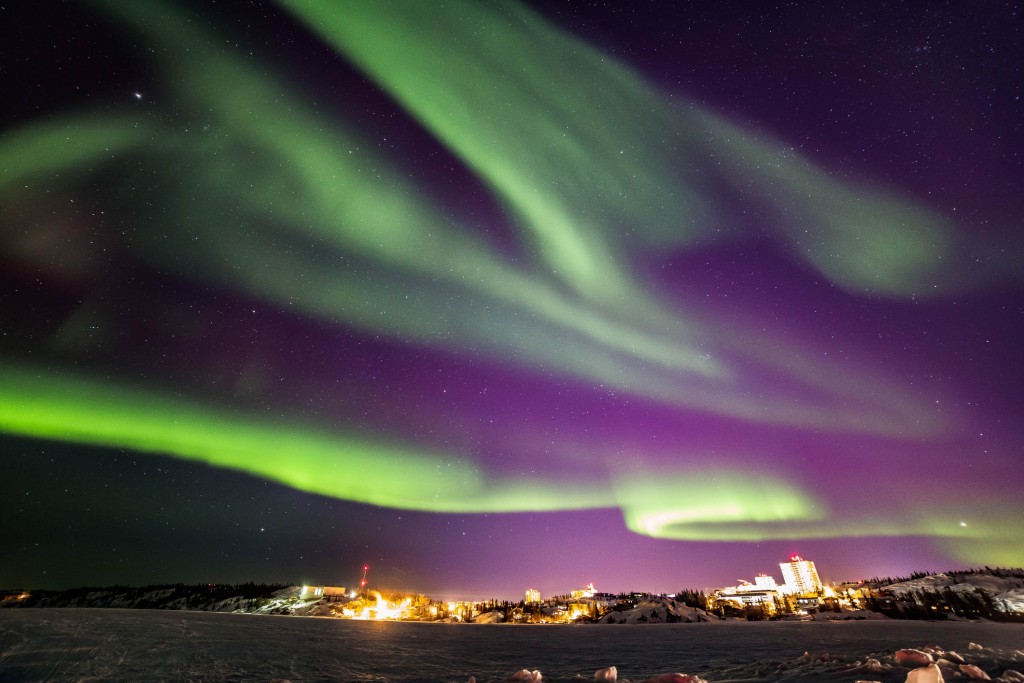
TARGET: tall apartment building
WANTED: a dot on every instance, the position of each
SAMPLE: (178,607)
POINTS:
(800,576)
(532,595)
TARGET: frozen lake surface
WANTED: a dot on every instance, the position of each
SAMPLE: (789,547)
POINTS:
(141,645)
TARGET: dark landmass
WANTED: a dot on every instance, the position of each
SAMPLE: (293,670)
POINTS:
(985,593)
(246,597)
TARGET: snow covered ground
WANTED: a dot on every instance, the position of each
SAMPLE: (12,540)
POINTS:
(157,645)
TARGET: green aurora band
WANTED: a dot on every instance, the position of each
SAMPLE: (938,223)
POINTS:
(353,468)
(614,154)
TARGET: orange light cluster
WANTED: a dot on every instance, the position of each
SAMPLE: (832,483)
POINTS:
(381,611)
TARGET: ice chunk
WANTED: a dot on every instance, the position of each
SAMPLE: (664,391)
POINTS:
(913,657)
(974,672)
(975,646)
(606,675)
(527,676)
(875,667)
(925,674)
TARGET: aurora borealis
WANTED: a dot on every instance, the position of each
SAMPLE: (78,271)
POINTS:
(489,294)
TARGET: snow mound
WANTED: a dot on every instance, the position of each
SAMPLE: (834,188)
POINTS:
(495,617)
(658,611)
(1011,600)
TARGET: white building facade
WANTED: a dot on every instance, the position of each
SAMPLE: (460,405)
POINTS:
(800,576)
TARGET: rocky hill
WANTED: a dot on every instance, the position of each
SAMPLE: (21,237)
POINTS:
(976,593)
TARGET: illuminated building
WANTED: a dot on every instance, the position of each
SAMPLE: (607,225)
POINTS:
(800,576)
(532,595)
(763,594)
(763,583)
(587,592)
(331,593)
(750,598)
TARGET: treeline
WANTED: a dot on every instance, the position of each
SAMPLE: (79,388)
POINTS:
(1001,572)
(692,598)
(889,580)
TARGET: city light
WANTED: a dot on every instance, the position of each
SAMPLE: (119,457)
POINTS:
(381,611)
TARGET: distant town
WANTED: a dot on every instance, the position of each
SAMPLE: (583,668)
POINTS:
(988,593)
(801,595)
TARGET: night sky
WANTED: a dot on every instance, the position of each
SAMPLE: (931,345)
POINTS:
(491,296)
